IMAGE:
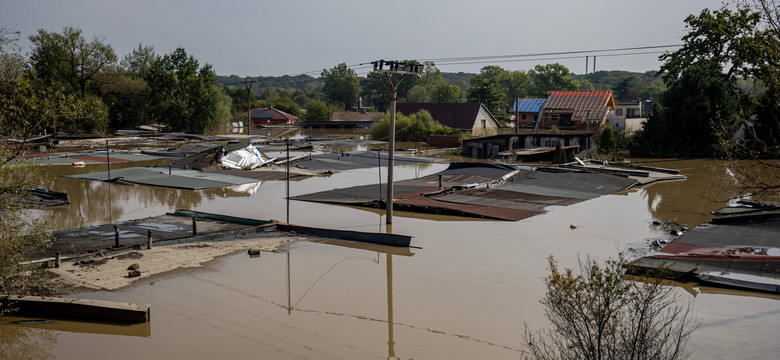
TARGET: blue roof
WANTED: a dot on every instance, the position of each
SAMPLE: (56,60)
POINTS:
(530,105)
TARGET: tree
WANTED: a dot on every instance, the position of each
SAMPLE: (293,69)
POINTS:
(559,155)
(138,62)
(551,77)
(185,96)
(431,88)
(599,314)
(318,111)
(722,37)
(486,88)
(70,61)
(607,142)
(414,127)
(690,111)
(24,110)
(342,86)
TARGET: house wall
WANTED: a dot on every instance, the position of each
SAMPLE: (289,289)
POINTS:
(490,126)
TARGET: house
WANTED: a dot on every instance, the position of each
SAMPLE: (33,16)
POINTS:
(578,109)
(356,116)
(528,111)
(472,117)
(346,120)
(627,116)
(269,116)
(526,144)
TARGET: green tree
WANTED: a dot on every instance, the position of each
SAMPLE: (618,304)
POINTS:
(599,314)
(318,111)
(551,77)
(685,123)
(415,127)
(486,88)
(607,142)
(724,37)
(559,155)
(342,86)
(70,61)
(138,62)
(184,95)
(431,88)
(25,109)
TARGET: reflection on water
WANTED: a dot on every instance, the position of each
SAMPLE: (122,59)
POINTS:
(95,202)
(25,342)
(688,202)
(465,293)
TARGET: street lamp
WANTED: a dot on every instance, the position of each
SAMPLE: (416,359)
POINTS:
(403,68)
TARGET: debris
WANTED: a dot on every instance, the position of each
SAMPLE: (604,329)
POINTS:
(572,226)
(79,164)
(133,273)
(134,267)
(254,252)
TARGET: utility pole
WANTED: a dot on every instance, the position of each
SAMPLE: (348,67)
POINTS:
(403,68)
(248,85)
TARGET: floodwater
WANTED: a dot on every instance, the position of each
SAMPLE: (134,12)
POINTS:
(464,291)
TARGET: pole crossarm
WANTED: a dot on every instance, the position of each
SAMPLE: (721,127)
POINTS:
(402,68)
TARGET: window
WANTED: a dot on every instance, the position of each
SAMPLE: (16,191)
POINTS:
(619,112)
(484,123)
(523,116)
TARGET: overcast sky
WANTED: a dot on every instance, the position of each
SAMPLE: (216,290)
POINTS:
(272,38)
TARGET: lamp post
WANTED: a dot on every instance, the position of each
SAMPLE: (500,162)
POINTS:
(403,68)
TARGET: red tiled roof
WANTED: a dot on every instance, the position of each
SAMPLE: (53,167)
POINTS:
(591,104)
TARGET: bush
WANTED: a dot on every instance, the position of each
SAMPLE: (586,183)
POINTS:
(414,127)
(599,314)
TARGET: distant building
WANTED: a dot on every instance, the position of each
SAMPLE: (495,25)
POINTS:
(472,117)
(528,111)
(578,109)
(269,116)
(627,116)
(356,116)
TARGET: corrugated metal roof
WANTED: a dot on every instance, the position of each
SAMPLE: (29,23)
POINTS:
(270,114)
(530,105)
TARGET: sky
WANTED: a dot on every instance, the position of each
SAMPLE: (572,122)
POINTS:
(290,37)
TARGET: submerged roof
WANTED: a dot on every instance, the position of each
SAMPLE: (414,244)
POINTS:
(270,114)
(459,116)
(587,105)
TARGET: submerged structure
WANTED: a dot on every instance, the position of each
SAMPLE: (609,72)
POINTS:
(740,251)
(491,191)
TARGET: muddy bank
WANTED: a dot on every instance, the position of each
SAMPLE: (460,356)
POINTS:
(112,272)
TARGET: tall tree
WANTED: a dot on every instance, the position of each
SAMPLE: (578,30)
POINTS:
(724,37)
(342,86)
(486,89)
(69,60)
(184,95)
(552,77)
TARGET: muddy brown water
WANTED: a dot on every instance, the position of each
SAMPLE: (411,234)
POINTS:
(465,293)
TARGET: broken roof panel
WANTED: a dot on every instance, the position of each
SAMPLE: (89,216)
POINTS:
(483,190)
(588,105)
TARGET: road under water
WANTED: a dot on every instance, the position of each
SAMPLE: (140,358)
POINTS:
(465,291)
